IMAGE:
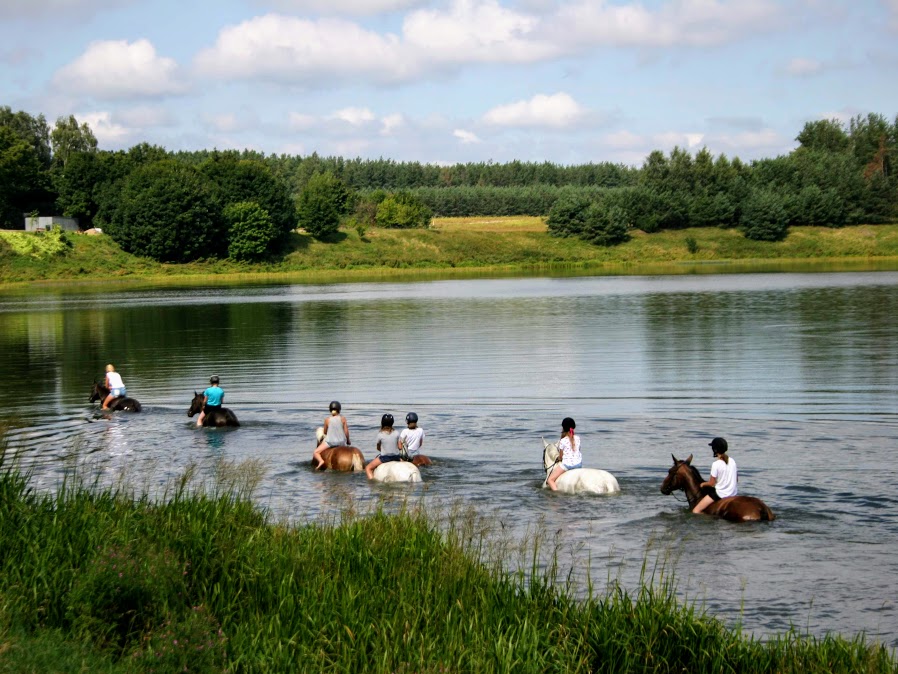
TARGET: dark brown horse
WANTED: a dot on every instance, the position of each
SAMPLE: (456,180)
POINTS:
(220,417)
(124,404)
(421,460)
(683,475)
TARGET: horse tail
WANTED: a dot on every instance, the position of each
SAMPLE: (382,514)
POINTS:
(319,434)
(358,463)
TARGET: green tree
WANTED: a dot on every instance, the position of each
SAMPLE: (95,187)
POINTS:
(20,177)
(320,205)
(828,135)
(251,232)
(764,216)
(568,215)
(605,225)
(167,212)
(69,137)
(403,211)
(33,130)
(240,180)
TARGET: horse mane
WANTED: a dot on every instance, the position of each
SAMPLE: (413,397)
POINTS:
(695,473)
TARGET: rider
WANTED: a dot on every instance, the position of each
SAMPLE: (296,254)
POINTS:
(212,399)
(336,433)
(115,385)
(569,449)
(387,445)
(411,440)
(724,477)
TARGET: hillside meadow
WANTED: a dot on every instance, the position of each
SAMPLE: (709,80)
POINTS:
(456,247)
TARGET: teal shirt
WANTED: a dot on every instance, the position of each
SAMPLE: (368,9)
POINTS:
(214,396)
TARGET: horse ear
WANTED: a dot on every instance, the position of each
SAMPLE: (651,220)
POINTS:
(673,457)
(689,460)
(195,393)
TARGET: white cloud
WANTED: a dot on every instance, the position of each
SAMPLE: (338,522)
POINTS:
(145,116)
(55,9)
(466,137)
(892,8)
(696,23)
(289,50)
(357,7)
(354,116)
(391,124)
(801,67)
(107,132)
(120,70)
(555,111)
(624,140)
(300,122)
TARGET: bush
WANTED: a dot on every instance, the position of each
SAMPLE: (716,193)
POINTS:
(606,226)
(251,233)
(167,212)
(320,205)
(403,211)
(764,217)
(568,215)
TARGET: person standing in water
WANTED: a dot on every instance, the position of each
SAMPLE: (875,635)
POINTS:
(336,433)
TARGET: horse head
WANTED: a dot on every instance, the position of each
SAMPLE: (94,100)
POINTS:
(676,476)
(196,405)
(550,454)
(97,392)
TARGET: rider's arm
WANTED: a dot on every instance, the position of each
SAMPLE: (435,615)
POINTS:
(710,483)
(346,430)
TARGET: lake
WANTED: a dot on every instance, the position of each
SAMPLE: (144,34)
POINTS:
(798,371)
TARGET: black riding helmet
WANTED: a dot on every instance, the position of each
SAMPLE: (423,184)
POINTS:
(213,379)
(387,420)
(335,406)
(718,446)
(411,418)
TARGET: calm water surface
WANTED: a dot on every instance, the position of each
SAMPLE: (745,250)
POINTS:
(799,372)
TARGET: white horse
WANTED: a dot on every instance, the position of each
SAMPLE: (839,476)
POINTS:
(578,480)
(397,471)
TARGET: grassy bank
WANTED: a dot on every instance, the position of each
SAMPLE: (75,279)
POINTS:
(199,580)
(452,247)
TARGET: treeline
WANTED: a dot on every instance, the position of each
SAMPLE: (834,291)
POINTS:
(184,205)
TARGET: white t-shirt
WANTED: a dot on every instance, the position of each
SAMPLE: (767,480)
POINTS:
(114,380)
(727,477)
(411,439)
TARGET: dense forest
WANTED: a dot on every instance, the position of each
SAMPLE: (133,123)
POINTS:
(173,206)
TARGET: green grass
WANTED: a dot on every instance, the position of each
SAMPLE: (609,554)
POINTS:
(462,247)
(109,581)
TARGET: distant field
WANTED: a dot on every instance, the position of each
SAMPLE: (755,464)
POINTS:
(518,223)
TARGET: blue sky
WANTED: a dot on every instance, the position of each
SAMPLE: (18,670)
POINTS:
(567,81)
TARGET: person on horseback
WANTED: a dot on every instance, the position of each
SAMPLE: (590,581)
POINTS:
(213,397)
(411,440)
(724,477)
(115,385)
(336,433)
(569,449)
(387,445)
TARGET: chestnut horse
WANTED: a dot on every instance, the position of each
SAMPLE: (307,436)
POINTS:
(99,392)
(683,475)
(219,417)
(344,458)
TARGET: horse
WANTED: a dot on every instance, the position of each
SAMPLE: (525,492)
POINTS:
(122,403)
(577,480)
(343,458)
(220,417)
(397,471)
(683,475)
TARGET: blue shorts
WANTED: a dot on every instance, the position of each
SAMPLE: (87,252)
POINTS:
(576,465)
(117,392)
(386,458)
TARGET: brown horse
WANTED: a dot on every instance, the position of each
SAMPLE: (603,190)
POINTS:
(341,457)
(420,460)
(122,403)
(683,475)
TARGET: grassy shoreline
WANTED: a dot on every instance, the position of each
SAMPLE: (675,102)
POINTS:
(458,248)
(110,581)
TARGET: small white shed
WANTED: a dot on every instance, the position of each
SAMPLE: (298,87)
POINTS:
(43,223)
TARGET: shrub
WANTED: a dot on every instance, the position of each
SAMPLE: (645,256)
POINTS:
(167,212)
(320,205)
(567,216)
(764,216)
(403,211)
(251,233)
(605,226)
